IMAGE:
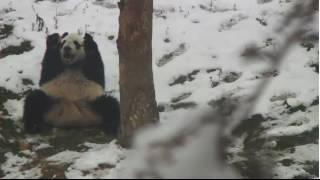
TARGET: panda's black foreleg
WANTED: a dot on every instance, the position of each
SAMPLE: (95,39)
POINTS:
(36,104)
(108,108)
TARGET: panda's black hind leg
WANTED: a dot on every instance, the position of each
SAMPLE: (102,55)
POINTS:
(108,108)
(36,104)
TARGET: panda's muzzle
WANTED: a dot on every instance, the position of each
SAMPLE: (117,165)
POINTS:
(67,52)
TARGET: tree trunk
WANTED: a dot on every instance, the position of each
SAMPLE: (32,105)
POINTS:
(137,95)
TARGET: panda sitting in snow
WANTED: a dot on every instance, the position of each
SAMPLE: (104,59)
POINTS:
(72,86)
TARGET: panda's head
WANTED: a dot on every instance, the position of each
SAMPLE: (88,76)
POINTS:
(71,48)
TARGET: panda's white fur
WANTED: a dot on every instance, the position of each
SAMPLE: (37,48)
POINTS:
(72,91)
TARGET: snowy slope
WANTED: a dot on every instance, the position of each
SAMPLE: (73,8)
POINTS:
(197,47)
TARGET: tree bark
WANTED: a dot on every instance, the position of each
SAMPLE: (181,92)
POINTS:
(137,95)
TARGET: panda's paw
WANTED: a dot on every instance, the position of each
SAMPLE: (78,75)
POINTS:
(89,44)
(36,104)
(88,37)
(53,40)
(109,109)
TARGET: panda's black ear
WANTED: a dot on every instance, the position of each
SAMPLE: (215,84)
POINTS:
(64,35)
(53,40)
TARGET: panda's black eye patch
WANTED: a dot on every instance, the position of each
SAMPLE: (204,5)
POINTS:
(77,44)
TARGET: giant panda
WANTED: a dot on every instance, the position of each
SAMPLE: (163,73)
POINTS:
(72,85)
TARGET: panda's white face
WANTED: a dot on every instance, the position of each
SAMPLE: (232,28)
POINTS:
(72,49)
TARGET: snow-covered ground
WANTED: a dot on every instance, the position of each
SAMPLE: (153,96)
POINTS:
(197,60)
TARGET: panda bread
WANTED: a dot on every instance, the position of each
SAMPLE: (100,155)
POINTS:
(72,86)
